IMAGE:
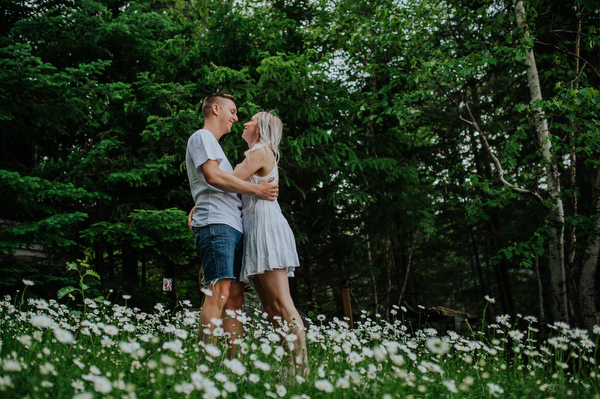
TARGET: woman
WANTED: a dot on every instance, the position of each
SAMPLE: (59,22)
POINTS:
(270,254)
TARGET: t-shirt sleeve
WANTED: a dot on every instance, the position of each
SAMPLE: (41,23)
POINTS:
(204,146)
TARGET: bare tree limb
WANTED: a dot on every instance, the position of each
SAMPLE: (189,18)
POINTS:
(499,168)
(495,159)
(585,62)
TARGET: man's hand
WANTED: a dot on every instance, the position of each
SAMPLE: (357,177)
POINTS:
(268,191)
(190,217)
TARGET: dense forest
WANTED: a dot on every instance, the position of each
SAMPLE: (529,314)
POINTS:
(434,152)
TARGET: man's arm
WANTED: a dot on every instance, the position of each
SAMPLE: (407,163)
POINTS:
(227,182)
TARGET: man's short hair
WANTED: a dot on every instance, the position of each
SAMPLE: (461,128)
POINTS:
(212,99)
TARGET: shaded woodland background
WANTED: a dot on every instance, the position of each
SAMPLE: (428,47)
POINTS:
(412,159)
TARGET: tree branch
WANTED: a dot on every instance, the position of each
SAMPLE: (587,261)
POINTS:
(496,161)
(570,53)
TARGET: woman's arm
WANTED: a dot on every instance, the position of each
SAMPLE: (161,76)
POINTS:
(259,161)
(227,182)
(190,217)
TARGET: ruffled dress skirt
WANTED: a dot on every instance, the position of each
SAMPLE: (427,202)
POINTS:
(269,242)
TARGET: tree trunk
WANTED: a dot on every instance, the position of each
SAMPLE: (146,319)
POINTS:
(373,280)
(477,264)
(389,260)
(556,215)
(375,294)
(175,282)
(130,267)
(538,278)
(99,259)
(338,297)
(500,268)
(572,234)
(111,263)
(587,279)
(310,281)
(144,270)
(399,267)
(408,265)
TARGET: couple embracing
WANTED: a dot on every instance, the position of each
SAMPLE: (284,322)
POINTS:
(241,240)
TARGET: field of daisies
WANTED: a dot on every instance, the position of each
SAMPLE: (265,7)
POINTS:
(106,350)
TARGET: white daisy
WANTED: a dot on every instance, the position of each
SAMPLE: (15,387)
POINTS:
(212,350)
(587,343)
(79,363)
(218,331)
(174,346)
(516,335)
(324,385)
(11,365)
(183,334)
(262,365)
(24,339)
(47,368)
(90,303)
(281,390)
(235,366)
(221,377)
(494,389)
(63,336)
(41,321)
(437,346)
(102,384)
(451,385)
(167,360)
(342,383)
(111,330)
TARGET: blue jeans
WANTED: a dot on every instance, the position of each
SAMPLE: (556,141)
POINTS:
(221,250)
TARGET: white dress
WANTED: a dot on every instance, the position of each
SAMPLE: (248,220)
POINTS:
(269,242)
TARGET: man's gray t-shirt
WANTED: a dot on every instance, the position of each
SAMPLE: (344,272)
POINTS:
(213,206)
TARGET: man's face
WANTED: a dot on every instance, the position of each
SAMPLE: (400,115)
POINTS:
(227,114)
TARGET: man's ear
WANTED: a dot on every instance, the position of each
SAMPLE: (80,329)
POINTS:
(215,109)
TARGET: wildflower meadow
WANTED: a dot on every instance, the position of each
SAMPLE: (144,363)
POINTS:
(101,349)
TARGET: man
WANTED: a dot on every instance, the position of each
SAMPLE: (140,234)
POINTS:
(217,218)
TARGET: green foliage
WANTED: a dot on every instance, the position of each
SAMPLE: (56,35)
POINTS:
(42,209)
(382,180)
(397,357)
(83,270)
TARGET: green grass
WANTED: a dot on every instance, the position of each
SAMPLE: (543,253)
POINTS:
(49,351)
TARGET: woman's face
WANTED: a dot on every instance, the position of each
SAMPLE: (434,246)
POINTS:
(250,133)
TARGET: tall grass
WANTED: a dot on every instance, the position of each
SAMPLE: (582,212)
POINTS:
(111,350)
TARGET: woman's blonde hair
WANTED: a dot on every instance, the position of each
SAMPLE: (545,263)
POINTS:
(270,129)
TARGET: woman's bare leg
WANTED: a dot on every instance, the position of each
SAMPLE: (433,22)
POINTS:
(274,291)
